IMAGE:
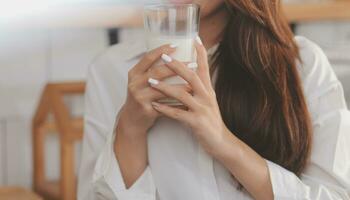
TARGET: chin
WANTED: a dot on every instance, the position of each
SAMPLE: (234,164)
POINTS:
(208,6)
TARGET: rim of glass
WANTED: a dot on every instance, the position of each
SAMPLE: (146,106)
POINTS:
(160,6)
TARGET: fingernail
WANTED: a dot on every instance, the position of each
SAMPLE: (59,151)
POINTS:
(167,58)
(173,46)
(198,39)
(193,65)
(153,81)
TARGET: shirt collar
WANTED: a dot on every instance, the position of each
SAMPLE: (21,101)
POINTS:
(211,51)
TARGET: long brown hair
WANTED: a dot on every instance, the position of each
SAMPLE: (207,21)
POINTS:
(258,87)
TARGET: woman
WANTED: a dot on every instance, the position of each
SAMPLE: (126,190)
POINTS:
(266,116)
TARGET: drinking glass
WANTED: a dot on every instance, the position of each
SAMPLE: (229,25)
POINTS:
(176,24)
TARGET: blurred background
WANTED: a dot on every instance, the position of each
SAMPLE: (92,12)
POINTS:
(46,47)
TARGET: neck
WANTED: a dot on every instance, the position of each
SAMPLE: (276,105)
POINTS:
(212,27)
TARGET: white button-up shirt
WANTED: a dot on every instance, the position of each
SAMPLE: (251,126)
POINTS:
(179,169)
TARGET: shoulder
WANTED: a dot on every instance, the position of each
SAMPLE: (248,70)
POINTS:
(315,70)
(323,91)
(118,59)
(110,68)
(107,77)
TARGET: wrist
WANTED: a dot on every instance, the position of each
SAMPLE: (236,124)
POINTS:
(127,123)
(128,131)
(229,148)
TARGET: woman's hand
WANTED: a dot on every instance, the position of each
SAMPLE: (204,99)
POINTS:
(203,114)
(137,113)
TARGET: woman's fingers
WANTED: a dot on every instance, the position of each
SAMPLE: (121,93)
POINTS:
(186,73)
(174,92)
(172,112)
(202,60)
(160,72)
(153,94)
(150,58)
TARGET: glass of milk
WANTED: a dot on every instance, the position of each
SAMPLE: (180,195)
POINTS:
(176,24)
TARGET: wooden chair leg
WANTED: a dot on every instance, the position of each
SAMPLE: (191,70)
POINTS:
(38,156)
(68,179)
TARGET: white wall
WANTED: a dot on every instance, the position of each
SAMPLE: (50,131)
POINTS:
(28,60)
(2,152)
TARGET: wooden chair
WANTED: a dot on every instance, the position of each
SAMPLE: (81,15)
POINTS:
(69,129)
(16,193)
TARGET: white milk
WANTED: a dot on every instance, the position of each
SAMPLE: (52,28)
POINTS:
(185,52)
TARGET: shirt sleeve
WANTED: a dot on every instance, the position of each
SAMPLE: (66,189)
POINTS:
(327,176)
(99,174)
(107,173)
